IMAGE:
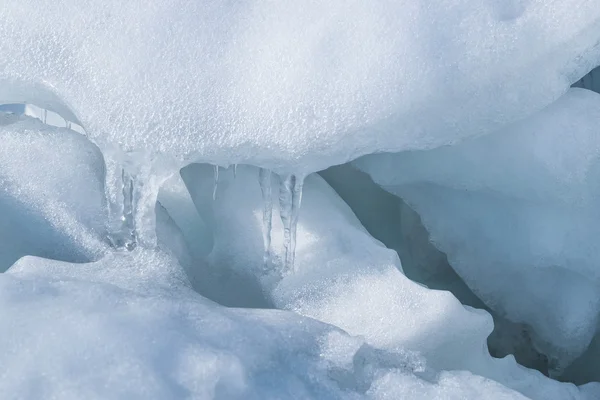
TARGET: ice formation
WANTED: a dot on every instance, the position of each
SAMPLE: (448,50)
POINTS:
(515,212)
(122,126)
(264,178)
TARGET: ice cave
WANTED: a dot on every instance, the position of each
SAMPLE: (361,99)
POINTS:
(319,199)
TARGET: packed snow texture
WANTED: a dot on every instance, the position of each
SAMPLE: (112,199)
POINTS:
(291,86)
(515,212)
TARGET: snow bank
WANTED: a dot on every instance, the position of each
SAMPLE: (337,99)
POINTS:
(515,212)
(293,86)
(127,327)
(51,193)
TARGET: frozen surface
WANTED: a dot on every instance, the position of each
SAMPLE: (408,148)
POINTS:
(346,278)
(292,86)
(515,212)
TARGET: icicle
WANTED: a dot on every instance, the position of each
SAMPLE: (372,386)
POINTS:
(216,182)
(234,171)
(290,199)
(264,178)
(122,232)
(129,228)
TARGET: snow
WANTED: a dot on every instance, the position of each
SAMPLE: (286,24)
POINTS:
(514,211)
(51,183)
(292,87)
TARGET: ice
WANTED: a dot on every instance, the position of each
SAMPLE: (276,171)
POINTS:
(216,182)
(52,194)
(346,278)
(292,87)
(264,178)
(515,212)
(290,200)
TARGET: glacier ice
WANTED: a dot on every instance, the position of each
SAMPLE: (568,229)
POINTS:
(515,212)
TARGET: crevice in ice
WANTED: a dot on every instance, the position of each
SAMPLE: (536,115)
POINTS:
(388,219)
(591,81)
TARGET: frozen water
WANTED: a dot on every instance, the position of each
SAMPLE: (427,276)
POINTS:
(292,87)
(591,81)
(290,199)
(515,212)
(264,178)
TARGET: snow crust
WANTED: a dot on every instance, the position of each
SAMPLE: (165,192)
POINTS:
(292,86)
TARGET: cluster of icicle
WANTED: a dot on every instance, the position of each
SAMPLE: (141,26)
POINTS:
(122,227)
(290,198)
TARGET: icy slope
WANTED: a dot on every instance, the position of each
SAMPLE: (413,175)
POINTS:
(293,86)
(516,214)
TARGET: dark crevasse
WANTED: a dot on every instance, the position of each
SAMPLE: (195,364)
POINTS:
(591,81)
